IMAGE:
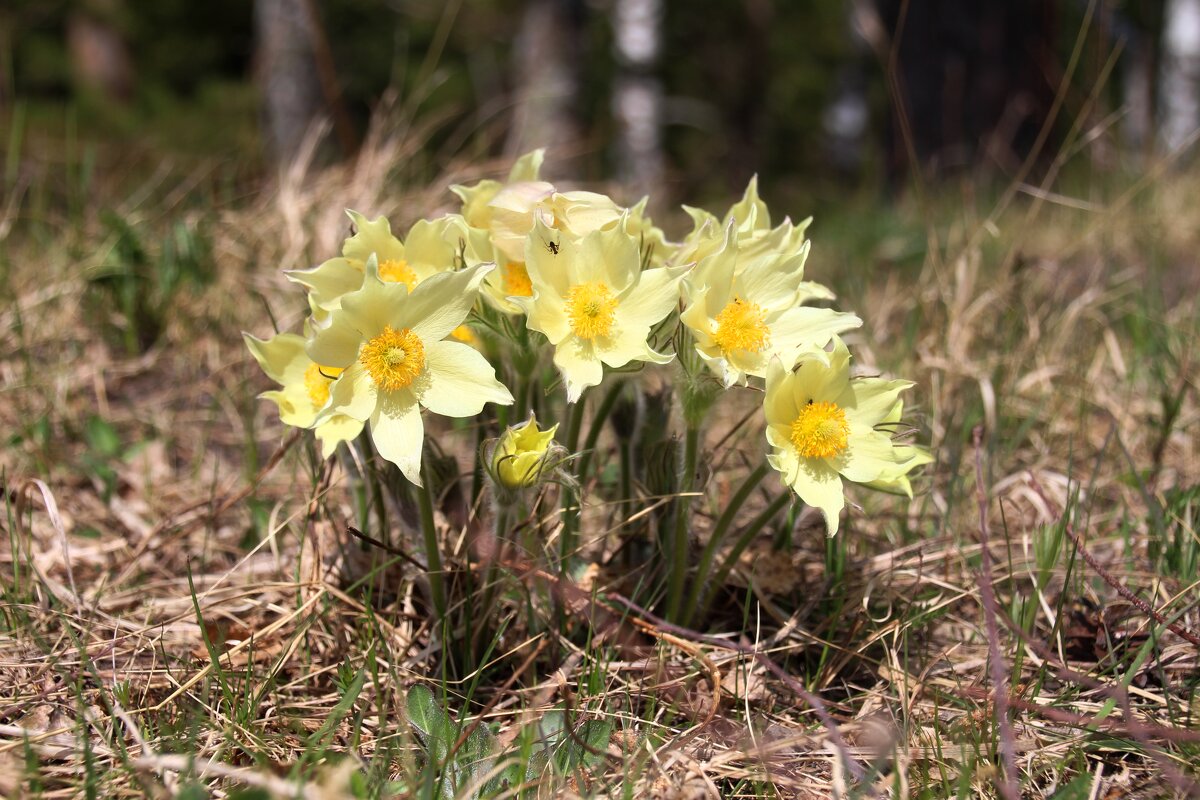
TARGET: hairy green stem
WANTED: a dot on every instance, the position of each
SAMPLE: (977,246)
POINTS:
(570,497)
(433,558)
(677,569)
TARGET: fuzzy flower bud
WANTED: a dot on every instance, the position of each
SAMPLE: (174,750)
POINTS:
(523,454)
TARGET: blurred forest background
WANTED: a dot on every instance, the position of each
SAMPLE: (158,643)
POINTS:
(688,98)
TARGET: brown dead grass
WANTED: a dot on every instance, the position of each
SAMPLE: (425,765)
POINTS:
(1039,355)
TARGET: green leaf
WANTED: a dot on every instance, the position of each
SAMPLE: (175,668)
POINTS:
(102,438)
(192,791)
(1080,788)
(340,710)
(437,733)
(476,758)
(255,793)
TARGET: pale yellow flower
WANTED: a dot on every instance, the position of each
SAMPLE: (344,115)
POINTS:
(431,247)
(477,197)
(908,457)
(594,303)
(824,426)
(516,209)
(520,456)
(752,222)
(305,388)
(743,316)
(393,348)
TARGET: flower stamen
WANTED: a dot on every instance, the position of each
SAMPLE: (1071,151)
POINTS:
(317,380)
(741,326)
(821,430)
(394,358)
(591,309)
(516,280)
(397,270)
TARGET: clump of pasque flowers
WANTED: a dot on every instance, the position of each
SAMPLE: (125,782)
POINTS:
(442,321)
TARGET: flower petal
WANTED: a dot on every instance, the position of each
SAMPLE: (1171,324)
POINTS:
(869,455)
(372,236)
(820,486)
(335,430)
(579,365)
(547,313)
(780,406)
(398,433)
(440,303)
(803,327)
(353,394)
(610,257)
(461,381)
(650,299)
(869,401)
(329,280)
(549,272)
(338,344)
(282,357)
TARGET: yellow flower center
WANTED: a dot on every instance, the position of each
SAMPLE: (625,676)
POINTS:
(464,334)
(317,380)
(397,270)
(591,309)
(740,326)
(394,358)
(516,280)
(821,430)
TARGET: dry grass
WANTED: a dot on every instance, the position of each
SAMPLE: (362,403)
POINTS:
(187,608)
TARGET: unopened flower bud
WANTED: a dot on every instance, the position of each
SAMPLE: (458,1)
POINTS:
(523,453)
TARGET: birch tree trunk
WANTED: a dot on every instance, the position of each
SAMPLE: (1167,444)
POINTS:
(547,78)
(637,98)
(1180,73)
(100,58)
(286,72)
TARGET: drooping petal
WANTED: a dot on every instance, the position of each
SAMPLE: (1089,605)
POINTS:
(461,381)
(398,433)
(819,485)
(353,394)
(335,430)
(579,365)
(617,351)
(293,404)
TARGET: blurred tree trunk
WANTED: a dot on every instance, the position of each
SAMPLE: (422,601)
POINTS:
(296,78)
(637,97)
(547,82)
(1180,72)
(100,58)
